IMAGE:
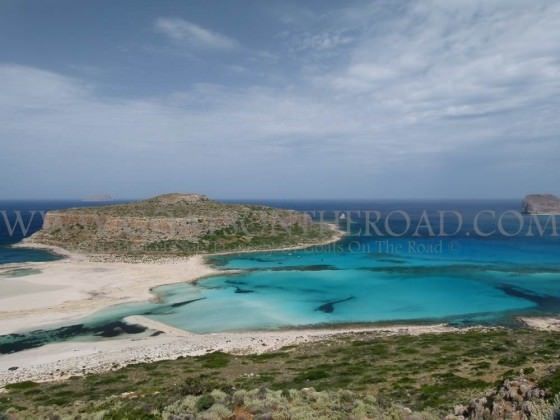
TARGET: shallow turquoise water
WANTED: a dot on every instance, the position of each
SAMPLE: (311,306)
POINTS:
(462,279)
(299,289)
(363,279)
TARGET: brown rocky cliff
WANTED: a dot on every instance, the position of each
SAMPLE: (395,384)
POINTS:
(173,219)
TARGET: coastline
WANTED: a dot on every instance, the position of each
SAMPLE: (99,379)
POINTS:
(82,286)
(59,361)
(541,323)
(78,285)
(62,360)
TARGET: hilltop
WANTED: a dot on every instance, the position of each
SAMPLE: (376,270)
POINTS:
(178,224)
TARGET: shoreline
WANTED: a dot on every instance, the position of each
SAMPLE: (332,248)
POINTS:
(82,285)
(541,323)
(78,288)
(60,361)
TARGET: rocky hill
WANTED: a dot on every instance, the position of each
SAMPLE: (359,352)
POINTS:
(541,204)
(177,224)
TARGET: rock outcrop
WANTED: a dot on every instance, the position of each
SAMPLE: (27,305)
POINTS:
(514,399)
(177,224)
(541,204)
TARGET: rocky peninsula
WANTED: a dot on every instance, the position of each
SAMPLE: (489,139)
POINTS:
(118,253)
(178,224)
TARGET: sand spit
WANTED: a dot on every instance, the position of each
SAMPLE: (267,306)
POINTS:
(542,323)
(61,292)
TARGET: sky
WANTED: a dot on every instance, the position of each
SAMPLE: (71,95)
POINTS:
(279,99)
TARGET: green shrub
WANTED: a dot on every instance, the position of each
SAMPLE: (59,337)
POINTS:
(551,382)
(215,360)
(20,386)
(205,402)
(312,375)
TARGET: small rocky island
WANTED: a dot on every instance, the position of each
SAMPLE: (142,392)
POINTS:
(178,224)
(541,204)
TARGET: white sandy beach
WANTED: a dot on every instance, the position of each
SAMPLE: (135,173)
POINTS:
(62,360)
(68,289)
(542,323)
(63,291)
(71,288)
(58,293)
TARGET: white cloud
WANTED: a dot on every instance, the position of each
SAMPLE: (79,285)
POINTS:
(183,31)
(425,97)
(438,59)
(323,41)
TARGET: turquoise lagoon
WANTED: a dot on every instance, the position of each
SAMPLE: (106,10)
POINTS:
(298,289)
(462,279)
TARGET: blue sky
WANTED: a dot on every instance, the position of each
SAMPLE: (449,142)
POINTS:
(286,99)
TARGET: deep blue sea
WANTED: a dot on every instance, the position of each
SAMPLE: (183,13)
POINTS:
(482,263)
(22,218)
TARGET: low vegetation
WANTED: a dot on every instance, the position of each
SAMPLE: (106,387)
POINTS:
(178,224)
(354,376)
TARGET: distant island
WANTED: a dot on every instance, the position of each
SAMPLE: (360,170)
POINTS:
(178,224)
(541,204)
(97,198)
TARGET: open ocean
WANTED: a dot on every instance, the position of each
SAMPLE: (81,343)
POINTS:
(478,275)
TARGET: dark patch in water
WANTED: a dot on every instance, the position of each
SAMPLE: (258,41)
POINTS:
(240,290)
(114,329)
(257,259)
(185,302)
(329,306)
(202,286)
(462,269)
(391,261)
(235,282)
(315,267)
(17,342)
(317,291)
(544,302)
(159,311)
(166,309)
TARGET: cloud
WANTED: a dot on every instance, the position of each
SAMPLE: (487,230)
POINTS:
(455,59)
(59,134)
(426,100)
(183,31)
(321,41)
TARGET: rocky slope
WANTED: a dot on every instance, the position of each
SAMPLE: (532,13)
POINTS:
(541,204)
(177,224)
(517,398)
